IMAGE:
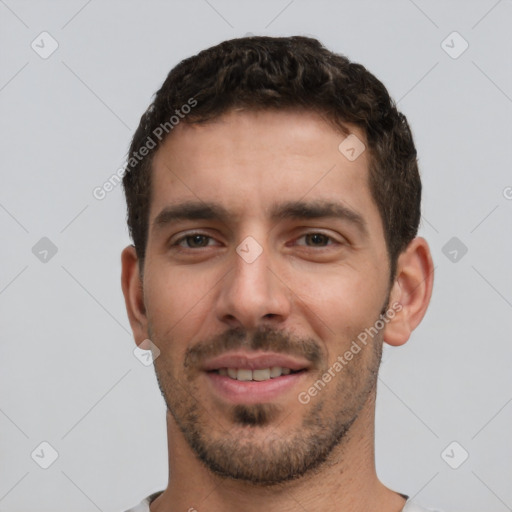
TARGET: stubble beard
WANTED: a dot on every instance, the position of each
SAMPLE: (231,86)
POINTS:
(254,450)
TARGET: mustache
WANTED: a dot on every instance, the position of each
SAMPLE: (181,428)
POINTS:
(264,338)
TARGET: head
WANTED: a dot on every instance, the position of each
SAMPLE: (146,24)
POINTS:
(288,73)
(273,199)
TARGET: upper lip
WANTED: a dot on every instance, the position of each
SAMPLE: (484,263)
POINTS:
(255,361)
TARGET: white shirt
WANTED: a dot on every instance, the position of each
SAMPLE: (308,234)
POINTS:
(143,506)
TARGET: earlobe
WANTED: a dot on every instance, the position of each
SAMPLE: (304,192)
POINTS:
(412,289)
(133,294)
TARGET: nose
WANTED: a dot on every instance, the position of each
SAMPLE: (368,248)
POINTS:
(253,293)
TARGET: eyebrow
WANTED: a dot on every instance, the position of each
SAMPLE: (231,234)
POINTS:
(294,210)
(191,210)
(300,210)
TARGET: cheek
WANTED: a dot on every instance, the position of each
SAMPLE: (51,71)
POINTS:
(176,302)
(343,295)
(338,306)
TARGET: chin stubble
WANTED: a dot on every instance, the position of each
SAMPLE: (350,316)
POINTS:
(253,450)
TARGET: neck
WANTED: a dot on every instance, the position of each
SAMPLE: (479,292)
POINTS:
(347,481)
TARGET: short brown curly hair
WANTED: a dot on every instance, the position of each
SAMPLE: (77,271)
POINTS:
(261,72)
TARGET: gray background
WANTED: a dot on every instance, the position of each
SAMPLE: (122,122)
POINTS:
(68,373)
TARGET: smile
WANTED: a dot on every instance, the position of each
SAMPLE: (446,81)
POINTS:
(259,375)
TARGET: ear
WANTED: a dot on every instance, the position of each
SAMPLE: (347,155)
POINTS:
(133,294)
(412,289)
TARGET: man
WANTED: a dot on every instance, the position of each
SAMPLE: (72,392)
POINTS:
(273,200)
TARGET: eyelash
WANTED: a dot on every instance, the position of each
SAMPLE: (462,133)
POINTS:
(193,234)
(190,235)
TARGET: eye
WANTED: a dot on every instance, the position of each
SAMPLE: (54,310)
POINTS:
(317,239)
(192,241)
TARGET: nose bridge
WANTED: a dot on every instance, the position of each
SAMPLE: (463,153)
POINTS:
(251,292)
(251,267)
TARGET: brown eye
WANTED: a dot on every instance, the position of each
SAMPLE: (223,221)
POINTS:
(193,241)
(317,239)
(197,241)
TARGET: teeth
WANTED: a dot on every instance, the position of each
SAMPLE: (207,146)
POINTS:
(260,374)
(244,374)
(275,371)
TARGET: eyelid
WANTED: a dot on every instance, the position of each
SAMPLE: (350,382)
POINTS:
(183,236)
(332,239)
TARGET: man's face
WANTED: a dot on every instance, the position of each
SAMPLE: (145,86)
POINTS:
(257,274)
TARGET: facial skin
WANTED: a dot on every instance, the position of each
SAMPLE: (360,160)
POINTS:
(317,284)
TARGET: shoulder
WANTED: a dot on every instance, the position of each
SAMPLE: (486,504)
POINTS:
(143,506)
(410,506)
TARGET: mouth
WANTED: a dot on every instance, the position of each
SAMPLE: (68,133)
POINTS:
(248,378)
(258,375)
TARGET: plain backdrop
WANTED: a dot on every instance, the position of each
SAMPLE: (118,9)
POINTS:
(68,374)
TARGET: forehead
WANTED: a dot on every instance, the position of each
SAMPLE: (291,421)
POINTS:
(250,160)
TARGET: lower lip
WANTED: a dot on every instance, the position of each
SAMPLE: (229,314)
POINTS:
(252,392)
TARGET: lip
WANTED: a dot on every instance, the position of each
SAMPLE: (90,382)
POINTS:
(251,392)
(256,361)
